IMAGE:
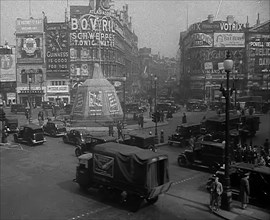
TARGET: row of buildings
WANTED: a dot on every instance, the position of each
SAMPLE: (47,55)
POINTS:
(202,51)
(51,59)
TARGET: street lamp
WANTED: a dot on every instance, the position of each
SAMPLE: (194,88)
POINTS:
(124,98)
(227,195)
(156,134)
(30,98)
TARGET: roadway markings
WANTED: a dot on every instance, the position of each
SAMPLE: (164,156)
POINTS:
(184,180)
(89,213)
(9,146)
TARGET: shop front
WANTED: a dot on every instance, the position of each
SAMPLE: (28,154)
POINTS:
(58,94)
(33,96)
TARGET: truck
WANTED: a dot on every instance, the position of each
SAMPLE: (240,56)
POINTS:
(130,173)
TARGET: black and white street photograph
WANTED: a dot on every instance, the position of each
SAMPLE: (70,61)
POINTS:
(134,109)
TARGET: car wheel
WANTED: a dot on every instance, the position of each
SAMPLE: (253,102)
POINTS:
(77,142)
(182,161)
(78,151)
(30,143)
(65,139)
(153,200)
(53,133)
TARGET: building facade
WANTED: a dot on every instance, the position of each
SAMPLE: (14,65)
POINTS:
(203,49)
(7,75)
(30,61)
(99,34)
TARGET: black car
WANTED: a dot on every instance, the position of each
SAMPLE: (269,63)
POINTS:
(140,139)
(77,136)
(47,105)
(183,133)
(30,134)
(54,128)
(17,108)
(91,142)
(12,124)
(259,180)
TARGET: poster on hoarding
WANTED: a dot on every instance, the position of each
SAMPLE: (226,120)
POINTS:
(79,104)
(7,68)
(201,40)
(29,48)
(229,40)
(95,103)
(25,26)
(57,49)
(113,106)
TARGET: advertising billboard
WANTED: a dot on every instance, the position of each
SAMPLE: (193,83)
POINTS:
(30,48)
(28,26)
(57,49)
(201,40)
(229,40)
(7,68)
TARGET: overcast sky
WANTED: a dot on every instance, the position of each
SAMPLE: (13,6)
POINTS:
(156,23)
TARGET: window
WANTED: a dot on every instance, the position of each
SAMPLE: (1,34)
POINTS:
(63,83)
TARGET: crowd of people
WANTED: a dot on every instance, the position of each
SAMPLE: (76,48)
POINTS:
(253,154)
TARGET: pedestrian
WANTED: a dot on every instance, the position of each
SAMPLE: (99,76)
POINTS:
(184,118)
(27,113)
(142,120)
(119,129)
(244,190)
(266,146)
(217,190)
(261,161)
(162,116)
(5,134)
(111,129)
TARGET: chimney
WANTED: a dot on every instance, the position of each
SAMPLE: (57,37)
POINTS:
(230,19)
(258,19)
(210,18)
(247,24)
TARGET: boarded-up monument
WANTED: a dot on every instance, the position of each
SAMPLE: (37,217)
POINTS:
(96,100)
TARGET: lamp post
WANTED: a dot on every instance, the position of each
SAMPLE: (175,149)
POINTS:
(155,79)
(30,98)
(124,98)
(227,195)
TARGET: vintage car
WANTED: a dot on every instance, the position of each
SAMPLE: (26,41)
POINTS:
(183,133)
(47,105)
(77,136)
(129,174)
(196,106)
(206,154)
(12,123)
(140,139)
(54,128)
(85,147)
(30,134)
(259,180)
(17,108)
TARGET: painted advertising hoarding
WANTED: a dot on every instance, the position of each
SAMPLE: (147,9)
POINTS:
(30,48)
(7,68)
(229,40)
(27,26)
(57,49)
(200,40)
(95,103)
(258,52)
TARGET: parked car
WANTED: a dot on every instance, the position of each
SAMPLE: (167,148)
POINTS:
(30,134)
(47,105)
(86,147)
(12,123)
(259,180)
(140,139)
(77,136)
(54,128)
(17,108)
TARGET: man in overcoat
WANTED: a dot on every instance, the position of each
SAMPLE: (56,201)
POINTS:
(244,190)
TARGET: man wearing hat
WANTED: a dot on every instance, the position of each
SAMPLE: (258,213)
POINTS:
(216,190)
(244,190)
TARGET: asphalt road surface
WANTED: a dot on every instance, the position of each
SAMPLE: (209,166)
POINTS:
(36,183)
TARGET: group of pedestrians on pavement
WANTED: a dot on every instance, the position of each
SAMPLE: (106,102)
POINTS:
(258,155)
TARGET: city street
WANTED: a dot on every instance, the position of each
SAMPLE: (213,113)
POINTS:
(36,183)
